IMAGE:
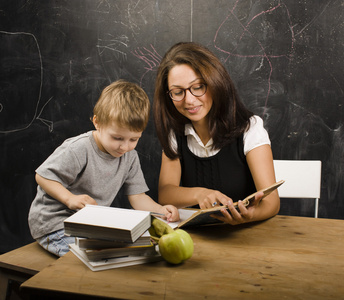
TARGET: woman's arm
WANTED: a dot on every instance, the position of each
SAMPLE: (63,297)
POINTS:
(260,162)
(57,191)
(171,193)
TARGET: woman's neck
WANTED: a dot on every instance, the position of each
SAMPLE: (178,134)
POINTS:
(202,131)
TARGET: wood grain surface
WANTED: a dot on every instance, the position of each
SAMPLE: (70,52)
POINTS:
(284,257)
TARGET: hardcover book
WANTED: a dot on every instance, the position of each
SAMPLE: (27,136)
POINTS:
(192,217)
(112,263)
(108,223)
(106,253)
(86,243)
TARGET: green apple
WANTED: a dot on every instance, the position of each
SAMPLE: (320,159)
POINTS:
(177,246)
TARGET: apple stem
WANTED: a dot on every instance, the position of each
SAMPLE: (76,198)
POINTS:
(155,238)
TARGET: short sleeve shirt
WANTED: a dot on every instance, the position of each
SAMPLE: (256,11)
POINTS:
(82,168)
(254,137)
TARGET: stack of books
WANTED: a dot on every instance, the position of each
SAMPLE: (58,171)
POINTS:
(108,237)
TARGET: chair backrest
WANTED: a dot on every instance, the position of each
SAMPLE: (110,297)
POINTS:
(302,179)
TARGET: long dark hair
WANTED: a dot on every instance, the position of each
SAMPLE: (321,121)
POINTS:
(228,117)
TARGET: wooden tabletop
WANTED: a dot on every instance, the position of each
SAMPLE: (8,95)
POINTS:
(29,259)
(281,258)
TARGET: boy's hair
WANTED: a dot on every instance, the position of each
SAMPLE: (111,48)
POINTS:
(125,103)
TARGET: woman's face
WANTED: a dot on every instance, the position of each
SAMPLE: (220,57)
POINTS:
(194,108)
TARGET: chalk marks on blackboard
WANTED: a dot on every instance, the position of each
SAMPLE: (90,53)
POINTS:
(49,123)
(314,19)
(113,44)
(255,36)
(150,57)
(21,81)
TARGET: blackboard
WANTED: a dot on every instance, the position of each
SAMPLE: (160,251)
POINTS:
(286,58)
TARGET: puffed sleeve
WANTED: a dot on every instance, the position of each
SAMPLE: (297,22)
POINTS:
(256,135)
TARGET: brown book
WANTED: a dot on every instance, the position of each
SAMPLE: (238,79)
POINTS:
(203,216)
(96,244)
(106,253)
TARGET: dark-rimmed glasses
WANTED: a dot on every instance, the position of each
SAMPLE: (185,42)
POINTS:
(178,94)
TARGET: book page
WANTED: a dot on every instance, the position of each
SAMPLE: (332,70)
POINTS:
(184,214)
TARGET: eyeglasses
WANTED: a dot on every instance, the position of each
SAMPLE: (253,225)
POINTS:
(178,94)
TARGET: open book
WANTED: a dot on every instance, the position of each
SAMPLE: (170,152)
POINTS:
(192,217)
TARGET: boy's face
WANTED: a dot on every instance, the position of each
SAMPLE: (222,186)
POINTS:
(115,140)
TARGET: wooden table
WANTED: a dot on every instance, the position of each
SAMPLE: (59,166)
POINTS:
(281,258)
(21,264)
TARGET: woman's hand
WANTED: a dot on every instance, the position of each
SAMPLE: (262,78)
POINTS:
(171,213)
(209,198)
(244,213)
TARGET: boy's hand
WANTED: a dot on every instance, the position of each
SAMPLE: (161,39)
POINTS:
(79,201)
(171,213)
(57,191)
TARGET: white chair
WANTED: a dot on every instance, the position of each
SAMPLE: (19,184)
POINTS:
(302,179)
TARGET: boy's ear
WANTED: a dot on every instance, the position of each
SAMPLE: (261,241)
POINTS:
(95,123)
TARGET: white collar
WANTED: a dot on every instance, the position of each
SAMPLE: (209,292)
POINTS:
(190,131)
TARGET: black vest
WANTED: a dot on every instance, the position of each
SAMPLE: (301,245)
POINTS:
(227,171)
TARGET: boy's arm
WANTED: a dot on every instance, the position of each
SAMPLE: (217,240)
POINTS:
(144,202)
(57,191)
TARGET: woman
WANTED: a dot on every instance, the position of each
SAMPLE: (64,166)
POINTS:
(215,151)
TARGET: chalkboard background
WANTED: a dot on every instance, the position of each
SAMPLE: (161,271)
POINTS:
(286,58)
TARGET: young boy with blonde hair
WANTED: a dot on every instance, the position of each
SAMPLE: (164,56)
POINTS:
(92,167)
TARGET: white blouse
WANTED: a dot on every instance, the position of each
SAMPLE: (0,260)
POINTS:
(254,137)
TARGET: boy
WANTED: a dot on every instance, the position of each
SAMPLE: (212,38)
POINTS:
(92,167)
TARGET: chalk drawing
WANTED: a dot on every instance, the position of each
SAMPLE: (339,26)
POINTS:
(10,90)
(113,47)
(191,17)
(232,17)
(150,57)
(113,44)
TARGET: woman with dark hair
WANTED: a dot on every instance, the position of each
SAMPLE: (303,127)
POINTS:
(215,151)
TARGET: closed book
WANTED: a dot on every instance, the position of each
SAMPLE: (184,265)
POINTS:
(108,223)
(106,253)
(86,243)
(113,262)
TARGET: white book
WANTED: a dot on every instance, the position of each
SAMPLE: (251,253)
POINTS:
(85,243)
(113,262)
(102,254)
(108,223)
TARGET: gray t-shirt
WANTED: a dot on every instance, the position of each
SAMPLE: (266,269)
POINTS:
(81,167)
